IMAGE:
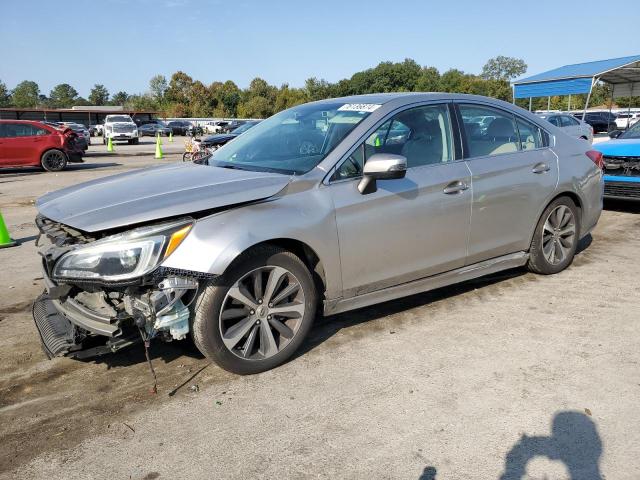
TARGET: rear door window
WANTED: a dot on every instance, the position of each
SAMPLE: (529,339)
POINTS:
(568,121)
(489,131)
(530,135)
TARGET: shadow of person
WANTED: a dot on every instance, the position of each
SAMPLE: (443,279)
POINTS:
(429,473)
(574,441)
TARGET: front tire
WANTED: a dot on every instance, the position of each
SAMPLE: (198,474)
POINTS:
(555,239)
(256,315)
(53,160)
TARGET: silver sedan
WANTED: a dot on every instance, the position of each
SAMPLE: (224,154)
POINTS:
(323,208)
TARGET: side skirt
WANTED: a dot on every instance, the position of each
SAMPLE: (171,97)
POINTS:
(480,269)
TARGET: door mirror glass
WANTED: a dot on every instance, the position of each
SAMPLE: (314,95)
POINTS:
(381,166)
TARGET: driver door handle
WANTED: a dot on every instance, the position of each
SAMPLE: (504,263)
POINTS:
(455,187)
(541,168)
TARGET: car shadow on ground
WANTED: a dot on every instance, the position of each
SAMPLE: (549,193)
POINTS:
(624,206)
(574,441)
(327,327)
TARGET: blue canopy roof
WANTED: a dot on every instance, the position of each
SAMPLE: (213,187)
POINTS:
(578,78)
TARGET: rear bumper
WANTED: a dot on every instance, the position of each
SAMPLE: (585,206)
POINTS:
(622,187)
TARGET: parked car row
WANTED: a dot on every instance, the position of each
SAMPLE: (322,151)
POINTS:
(571,125)
(220,139)
(25,143)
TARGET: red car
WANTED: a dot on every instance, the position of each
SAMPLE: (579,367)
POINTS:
(25,143)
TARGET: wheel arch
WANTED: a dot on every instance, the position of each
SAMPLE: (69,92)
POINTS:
(299,248)
(50,148)
(563,193)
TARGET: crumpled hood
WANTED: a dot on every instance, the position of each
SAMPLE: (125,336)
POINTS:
(629,147)
(155,193)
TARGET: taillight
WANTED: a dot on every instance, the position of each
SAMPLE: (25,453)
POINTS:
(596,157)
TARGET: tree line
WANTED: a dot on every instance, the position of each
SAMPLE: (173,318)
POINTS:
(182,96)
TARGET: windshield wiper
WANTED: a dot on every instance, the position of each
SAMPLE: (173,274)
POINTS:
(232,167)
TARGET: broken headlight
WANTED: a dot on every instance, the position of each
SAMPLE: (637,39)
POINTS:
(123,256)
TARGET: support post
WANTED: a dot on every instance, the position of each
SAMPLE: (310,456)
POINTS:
(629,105)
(548,104)
(586,104)
(569,106)
(530,102)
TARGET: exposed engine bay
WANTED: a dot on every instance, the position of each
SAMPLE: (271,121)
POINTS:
(628,166)
(84,318)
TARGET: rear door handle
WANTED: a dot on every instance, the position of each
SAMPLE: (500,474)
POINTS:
(540,168)
(455,187)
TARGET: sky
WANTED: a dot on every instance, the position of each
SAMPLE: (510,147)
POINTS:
(123,43)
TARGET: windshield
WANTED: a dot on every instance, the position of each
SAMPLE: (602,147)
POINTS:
(633,132)
(293,141)
(119,118)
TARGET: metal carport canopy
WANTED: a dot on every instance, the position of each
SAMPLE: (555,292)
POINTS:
(623,73)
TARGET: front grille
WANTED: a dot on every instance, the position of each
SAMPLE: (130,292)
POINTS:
(56,332)
(622,189)
(123,128)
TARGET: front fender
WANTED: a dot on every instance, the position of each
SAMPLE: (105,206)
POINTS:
(306,216)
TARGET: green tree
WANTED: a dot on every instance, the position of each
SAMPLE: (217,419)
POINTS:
(201,101)
(99,95)
(315,89)
(452,81)
(429,80)
(5,98)
(255,107)
(119,98)
(179,88)
(158,86)
(289,97)
(63,95)
(230,98)
(503,68)
(140,102)
(25,95)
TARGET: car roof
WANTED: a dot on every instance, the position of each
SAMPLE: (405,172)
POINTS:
(406,98)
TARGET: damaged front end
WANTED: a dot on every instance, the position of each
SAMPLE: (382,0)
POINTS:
(104,293)
(622,176)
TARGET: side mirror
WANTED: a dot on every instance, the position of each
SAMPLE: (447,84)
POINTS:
(381,166)
(615,133)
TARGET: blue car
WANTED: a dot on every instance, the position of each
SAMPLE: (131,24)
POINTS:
(621,158)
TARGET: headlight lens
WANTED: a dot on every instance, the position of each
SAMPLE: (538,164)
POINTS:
(124,256)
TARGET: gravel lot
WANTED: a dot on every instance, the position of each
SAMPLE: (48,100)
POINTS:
(466,382)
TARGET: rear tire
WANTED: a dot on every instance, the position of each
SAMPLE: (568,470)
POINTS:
(555,239)
(273,328)
(53,160)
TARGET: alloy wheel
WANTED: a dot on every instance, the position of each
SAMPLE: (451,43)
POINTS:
(261,313)
(558,234)
(54,160)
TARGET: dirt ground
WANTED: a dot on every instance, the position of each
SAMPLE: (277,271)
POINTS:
(469,381)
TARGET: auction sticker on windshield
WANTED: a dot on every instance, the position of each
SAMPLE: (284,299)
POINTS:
(359,107)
